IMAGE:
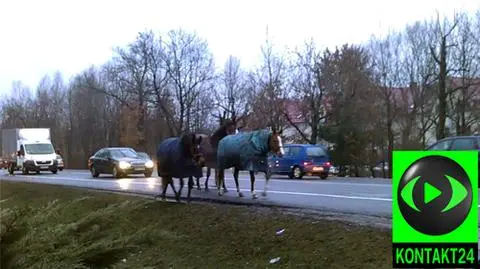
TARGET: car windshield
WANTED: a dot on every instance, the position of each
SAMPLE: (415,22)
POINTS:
(39,149)
(122,153)
(143,155)
(315,152)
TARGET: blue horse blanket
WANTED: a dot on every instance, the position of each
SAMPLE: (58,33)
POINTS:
(244,151)
(173,162)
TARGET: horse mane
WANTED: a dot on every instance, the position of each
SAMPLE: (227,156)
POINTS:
(220,132)
(186,142)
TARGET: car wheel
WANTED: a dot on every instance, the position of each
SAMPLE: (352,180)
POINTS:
(54,171)
(297,172)
(115,173)
(148,174)
(324,176)
(61,169)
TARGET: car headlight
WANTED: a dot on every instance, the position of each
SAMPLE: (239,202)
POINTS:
(123,165)
(149,164)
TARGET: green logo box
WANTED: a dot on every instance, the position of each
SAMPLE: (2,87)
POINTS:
(435,209)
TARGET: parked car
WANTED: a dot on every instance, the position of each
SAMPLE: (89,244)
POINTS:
(119,162)
(60,162)
(334,170)
(458,143)
(300,160)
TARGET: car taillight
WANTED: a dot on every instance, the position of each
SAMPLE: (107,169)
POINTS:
(306,163)
(328,164)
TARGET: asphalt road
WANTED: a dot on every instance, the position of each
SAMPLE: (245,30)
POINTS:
(359,196)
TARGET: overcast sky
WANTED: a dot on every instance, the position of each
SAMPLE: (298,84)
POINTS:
(42,36)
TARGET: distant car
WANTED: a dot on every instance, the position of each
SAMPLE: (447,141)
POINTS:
(119,162)
(300,160)
(334,170)
(60,162)
(459,143)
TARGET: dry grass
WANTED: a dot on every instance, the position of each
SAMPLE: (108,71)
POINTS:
(52,227)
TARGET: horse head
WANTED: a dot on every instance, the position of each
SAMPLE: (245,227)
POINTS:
(275,143)
(191,146)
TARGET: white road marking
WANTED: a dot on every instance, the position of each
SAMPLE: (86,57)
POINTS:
(285,181)
(124,184)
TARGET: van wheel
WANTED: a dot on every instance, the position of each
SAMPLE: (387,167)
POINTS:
(297,173)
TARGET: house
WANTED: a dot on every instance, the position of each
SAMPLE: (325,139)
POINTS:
(404,102)
(297,113)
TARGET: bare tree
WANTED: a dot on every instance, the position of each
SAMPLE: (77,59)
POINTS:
(464,85)
(419,68)
(268,91)
(307,86)
(387,61)
(232,91)
(190,67)
(440,49)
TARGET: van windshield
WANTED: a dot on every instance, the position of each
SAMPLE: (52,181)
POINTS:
(315,152)
(36,149)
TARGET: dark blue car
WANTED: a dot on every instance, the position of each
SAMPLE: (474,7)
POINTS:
(300,160)
(459,143)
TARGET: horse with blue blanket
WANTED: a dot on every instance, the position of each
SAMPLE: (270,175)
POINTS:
(209,147)
(179,157)
(247,151)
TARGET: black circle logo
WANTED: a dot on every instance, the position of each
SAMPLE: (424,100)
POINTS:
(434,195)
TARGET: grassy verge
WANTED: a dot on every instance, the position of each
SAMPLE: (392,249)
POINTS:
(44,226)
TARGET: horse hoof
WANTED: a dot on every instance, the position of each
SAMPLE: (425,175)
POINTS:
(254,196)
(225,190)
(264,193)
(220,194)
(198,188)
(207,190)
(240,194)
(163,199)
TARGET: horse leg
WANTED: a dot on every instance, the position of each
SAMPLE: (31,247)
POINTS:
(220,177)
(267,179)
(198,183)
(223,184)
(165,182)
(179,194)
(235,177)
(170,181)
(206,179)
(252,184)
(190,187)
